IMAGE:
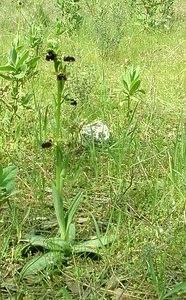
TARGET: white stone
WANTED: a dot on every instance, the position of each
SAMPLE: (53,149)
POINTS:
(97,131)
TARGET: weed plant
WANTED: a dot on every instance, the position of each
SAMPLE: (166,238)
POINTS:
(81,83)
(19,69)
(131,85)
(154,14)
(109,21)
(70,19)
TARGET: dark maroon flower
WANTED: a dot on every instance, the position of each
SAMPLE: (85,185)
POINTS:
(61,76)
(51,55)
(69,59)
(47,144)
(73,102)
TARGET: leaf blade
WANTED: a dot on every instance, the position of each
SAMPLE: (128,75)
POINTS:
(58,206)
(7,68)
(40,263)
(72,210)
(22,59)
(53,244)
(177,288)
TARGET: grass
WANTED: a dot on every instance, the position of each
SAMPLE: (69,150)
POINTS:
(140,175)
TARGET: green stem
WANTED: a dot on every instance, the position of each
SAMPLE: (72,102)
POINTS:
(57,188)
(128,100)
(19,22)
(60,87)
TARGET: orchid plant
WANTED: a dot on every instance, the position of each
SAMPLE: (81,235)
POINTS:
(61,247)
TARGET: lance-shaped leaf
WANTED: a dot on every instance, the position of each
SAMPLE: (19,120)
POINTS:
(134,86)
(53,244)
(22,59)
(40,263)
(7,68)
(7,77)
(7,179)
(59,210)
(71,211)
(177,288)
(93,245)
(72,233)
(125,87)
(13,56)
(32,62)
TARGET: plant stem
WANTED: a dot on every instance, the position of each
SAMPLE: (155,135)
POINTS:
(128,101)
(19,21)
(60,87)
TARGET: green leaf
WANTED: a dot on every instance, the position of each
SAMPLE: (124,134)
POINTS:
(13,56)
(126,75)
(96,226)
(58,205)
(177,288)
(125,87)
(85,249)
(33,62)
(153,273)
(22,73)
(22,59)
(6,77)
(72,210)
(7,68)
(19,48)
(7,178)
(141,91)
(26,99)
(94,244)
(72,233)
(7,182)
(105,240)
(54,244)
(40,263)
(134,86)
(134,73)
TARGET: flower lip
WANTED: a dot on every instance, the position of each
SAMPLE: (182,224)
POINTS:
(69,59)
(51,55)
(62,76)
(47,144)
(73,102)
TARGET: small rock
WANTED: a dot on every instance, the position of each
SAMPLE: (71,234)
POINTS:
(97,131)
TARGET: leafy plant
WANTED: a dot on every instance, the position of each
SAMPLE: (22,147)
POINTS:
(82,83)
(35,37)
(131,84)
(109,26)
(19,69)
(7,182)
(59,248)
(37,27)
(70,19)
(154,13)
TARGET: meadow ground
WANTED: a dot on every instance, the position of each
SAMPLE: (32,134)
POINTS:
(134,187)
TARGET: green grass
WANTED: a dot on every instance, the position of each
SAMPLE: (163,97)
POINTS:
(140,175)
